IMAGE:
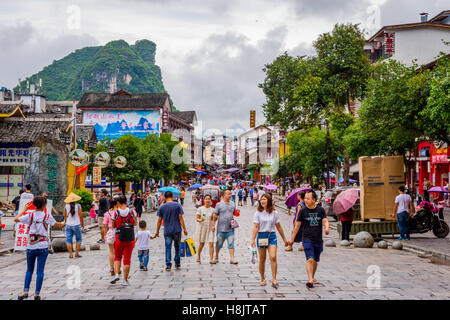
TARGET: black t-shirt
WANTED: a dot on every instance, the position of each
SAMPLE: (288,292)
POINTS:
(102,207)
(311,220)
(16,203)
(138,203)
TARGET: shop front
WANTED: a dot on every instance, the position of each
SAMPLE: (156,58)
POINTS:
(433,163)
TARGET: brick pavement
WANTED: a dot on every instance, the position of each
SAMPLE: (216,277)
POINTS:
(342,272)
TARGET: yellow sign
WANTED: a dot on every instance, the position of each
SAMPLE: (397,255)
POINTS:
(97,175)
(252,118)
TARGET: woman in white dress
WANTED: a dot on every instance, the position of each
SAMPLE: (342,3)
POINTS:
(205,228)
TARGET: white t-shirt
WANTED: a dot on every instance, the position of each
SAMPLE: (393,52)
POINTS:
(38,227)
(266,221)
(142,239)
(28,196)
(403,201)
(75,219)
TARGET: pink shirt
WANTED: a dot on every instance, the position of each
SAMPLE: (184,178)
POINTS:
(107,219)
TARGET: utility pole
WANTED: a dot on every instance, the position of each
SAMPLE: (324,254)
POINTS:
(328,156)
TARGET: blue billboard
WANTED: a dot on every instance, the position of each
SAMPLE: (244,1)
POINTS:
(113,124)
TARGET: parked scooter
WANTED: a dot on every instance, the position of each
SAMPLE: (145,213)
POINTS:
(426,218)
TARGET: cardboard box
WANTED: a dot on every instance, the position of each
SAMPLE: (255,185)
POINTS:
(380,177)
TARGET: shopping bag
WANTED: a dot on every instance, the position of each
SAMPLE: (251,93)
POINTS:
(187,248)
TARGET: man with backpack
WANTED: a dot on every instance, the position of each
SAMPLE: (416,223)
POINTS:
(123,220)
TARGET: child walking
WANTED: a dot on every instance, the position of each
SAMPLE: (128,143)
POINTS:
(142,238)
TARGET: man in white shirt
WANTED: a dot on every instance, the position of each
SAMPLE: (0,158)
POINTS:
(403,208)
(27,195)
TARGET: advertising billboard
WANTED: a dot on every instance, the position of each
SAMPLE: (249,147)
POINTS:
(113,124)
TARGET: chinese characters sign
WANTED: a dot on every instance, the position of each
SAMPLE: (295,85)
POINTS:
(97,175)
(389,43)
(22,236)
(13,156)
(440,153)
(113,124)
(52,164)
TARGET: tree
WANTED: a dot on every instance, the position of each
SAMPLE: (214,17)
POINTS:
(436,114)
(173,149)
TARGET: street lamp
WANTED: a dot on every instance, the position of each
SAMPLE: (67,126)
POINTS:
(112,150)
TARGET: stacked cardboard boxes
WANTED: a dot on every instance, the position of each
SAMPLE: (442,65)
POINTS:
(380,178)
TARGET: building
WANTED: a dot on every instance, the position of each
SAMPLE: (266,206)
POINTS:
(421,40)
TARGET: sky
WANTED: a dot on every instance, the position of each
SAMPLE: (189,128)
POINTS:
(211,52)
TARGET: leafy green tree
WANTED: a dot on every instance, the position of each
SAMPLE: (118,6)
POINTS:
(86,199)
(436,114)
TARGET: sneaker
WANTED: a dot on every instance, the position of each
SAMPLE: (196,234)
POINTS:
(100,241)
(400,238)
(145,269)
(177,266)
(142,266)
(37,297)
(125,283)
(115,279)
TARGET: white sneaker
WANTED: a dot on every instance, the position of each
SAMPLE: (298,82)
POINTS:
(115,279)
(125,283)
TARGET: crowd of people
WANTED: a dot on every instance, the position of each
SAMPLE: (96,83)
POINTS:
(119,217)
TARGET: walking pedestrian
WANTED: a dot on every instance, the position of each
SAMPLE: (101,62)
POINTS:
(37,246)
(299,235)
(172,214)
(102,208)
(402,207)
(223,213)
(16,203)
(205,229)
(233,194)
(110,237)
(1,214)
(142,238)
(182,196)
(27,195)
(244,195)
(138,204)
(251,196)
(265,220)
(346,223)
(240,196)
(123,221)
(313,218)
(73,218)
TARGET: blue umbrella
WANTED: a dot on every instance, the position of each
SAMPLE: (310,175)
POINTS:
(200,172)
(195,186)
(172,189)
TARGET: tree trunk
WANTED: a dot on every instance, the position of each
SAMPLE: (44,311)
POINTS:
(346,167)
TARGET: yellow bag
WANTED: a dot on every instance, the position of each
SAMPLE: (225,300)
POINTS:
(187,248)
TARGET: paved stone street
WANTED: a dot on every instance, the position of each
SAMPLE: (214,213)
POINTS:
(343,272)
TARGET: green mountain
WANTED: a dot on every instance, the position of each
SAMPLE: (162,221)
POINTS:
(114,66)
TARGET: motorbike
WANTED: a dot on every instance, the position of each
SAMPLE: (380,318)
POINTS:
(426,218)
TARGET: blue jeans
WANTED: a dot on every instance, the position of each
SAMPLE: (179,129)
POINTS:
(403,224)
(221,236)
(41,256)
(71,231)
(175,238)
(143,257)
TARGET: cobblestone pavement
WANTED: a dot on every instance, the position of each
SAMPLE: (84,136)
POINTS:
(344,273)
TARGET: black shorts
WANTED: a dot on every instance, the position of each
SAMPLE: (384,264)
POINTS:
(139,213)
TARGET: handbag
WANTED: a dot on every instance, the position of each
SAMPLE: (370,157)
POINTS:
(234,224)
(187,248)
(264,242)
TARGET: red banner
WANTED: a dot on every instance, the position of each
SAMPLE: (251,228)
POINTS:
(81,169)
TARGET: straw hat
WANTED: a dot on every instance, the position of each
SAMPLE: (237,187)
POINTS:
(72,197)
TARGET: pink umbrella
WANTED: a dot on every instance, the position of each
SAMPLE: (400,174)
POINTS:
(438,190)
(271,187)
(345,200)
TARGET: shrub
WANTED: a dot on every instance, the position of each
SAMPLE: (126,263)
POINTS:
(86,199)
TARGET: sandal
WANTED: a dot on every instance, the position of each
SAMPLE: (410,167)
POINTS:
(316,282)
(288,249)
(77,255)
(309,285)
(70,256)
(275,284)
(212,262)
(233,262)
(263,283)
(168,268)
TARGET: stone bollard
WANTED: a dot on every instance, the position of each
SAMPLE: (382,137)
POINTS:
(330,243)
(363,239)
(345,243)
(397,245)
(382,244)
(59,245)
(94,246)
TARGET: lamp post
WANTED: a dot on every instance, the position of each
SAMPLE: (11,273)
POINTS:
(91,146)
(112,150)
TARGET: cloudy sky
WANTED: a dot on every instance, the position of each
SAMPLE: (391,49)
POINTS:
(211,52)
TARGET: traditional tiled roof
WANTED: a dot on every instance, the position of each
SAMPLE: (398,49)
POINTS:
(187,116)
(122,101)
(86,132)
(30,130)
(10,109)
(407,26)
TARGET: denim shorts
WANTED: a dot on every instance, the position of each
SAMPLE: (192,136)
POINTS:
(71,231)
(264,235)
(221,236)
(312,250)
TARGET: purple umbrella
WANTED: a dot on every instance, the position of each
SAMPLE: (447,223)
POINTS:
(292,200)
(438,190)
